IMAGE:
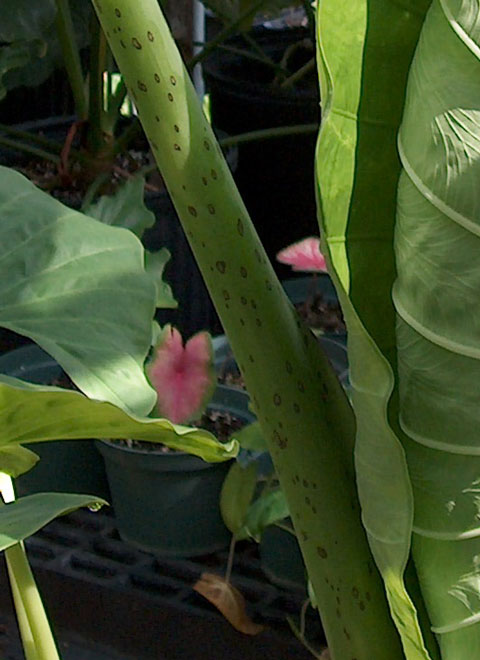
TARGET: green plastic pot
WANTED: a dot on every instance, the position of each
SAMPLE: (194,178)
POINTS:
(67,466)
(168,503)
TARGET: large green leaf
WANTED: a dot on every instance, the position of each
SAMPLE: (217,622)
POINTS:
(33,25)
(365,50)
(79,289)
(35,413)
(436,297)
(126,208)
(25,516)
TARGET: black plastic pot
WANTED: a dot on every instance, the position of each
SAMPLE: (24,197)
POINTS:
(55,128)
(66,466)
(168,503)
(275,176)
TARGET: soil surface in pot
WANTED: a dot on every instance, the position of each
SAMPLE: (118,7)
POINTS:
(70,187)
(321,314)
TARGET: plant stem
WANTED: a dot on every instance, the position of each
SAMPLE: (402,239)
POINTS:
(34,151)
(37,637)
(125,138)
(251,136)
(268,133)
(224,34)
(299,635)
(268,60)
(33,622)
(299,74)
(303,411)
(260,57)
(115,101)
(71,57)
(231,554)
(32,137)
(93,189)
(98,56)
(22,620)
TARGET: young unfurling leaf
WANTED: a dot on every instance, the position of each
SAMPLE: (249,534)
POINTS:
(182,375)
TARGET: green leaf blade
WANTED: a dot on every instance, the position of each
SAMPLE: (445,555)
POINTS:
(35,413)
(25,516)
(435,295)
(268,509)
(236,496)
(79,289)
(365,49)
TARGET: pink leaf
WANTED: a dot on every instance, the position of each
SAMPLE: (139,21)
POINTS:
(304,256)
(183,376)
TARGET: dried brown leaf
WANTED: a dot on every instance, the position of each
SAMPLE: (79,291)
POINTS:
(228,600)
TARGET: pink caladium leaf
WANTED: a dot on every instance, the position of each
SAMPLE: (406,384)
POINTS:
(304,256)
(183,376)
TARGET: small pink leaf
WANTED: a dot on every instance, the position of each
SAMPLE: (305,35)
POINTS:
(304,256)
(183,376)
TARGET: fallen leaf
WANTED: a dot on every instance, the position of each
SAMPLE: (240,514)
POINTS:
(228,600)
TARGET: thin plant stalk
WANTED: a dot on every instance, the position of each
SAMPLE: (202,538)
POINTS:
(254,57)
(40,140)
(71,57)
(268,134)
(224,34)
(35,631)
(98,59)
(251,136)
(26,635)
(299,74)
(28,149)
(231,555)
